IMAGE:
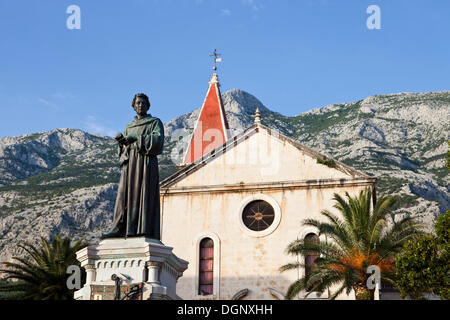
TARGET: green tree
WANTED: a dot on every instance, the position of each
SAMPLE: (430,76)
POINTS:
(41,275)
(359,238)
(423,266)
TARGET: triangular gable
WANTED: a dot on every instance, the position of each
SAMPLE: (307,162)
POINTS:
(211,128)
(259,156)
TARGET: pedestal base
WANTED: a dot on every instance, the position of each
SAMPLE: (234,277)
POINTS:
(134,261)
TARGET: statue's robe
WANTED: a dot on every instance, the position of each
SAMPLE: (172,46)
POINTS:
(137,208)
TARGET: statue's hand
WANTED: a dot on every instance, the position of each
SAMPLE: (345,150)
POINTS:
(131,138)
(120,138)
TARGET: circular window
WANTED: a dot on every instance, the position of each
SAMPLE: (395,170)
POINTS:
(258,215)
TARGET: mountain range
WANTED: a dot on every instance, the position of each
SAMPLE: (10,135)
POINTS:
(65,181)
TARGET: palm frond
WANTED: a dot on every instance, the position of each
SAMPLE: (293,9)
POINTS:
(42,273)
(359,237)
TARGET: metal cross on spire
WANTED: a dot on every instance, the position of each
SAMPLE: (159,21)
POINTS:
(216,59)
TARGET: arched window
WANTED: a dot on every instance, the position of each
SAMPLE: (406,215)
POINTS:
(310,259)
(206,264)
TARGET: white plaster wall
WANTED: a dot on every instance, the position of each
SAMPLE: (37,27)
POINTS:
(245,261)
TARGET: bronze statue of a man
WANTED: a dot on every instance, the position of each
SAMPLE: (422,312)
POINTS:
(136,212)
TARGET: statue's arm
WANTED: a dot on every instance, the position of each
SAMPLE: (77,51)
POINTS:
(158,135)
(132,137)
(151,143)
(122,147)
(127,138)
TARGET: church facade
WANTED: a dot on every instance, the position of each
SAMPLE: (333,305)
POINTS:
(234,207)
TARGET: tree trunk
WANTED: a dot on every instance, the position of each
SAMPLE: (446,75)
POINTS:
(362,292)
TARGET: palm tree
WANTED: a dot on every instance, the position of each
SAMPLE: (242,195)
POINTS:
(360,238)
(42,274)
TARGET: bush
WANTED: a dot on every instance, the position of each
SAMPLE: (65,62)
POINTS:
(424,264)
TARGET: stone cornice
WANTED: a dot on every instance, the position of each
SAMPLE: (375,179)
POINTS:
(273,186)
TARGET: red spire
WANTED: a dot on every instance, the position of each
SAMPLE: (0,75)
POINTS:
(211,129)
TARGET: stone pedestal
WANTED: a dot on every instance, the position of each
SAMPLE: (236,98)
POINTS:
(137,260)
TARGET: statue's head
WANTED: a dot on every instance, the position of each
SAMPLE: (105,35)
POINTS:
(141,104)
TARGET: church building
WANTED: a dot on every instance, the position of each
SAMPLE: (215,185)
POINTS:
(236,202)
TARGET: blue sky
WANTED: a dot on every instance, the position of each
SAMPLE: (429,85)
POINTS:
(293,55)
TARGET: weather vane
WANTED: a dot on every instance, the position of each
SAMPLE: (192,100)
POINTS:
(216,59)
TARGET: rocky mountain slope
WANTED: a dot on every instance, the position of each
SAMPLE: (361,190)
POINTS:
(65,181)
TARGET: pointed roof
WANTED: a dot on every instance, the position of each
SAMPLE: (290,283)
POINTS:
(211,128)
